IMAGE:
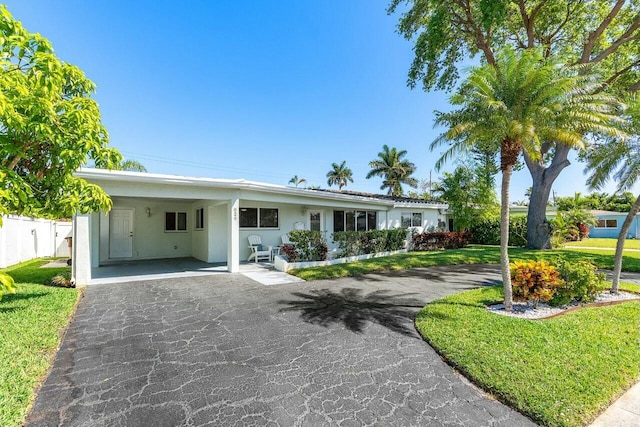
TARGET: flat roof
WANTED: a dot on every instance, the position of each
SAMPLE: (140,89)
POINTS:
(243,184)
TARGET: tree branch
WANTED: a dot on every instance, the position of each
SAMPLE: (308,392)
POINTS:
(627,36)
(593,35)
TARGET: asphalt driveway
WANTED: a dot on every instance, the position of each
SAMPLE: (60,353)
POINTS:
(225,351)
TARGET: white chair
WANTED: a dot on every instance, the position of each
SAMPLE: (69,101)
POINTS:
(258,251)
(286,240)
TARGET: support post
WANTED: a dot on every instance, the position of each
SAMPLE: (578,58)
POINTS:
(81,258)
(233,240)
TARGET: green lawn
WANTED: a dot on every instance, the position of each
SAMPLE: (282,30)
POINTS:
(474,254)
(560,372)
(605,243)
(30,326)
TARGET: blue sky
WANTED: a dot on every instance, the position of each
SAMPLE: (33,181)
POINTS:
(261,90)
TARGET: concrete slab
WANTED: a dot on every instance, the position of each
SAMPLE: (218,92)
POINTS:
(266,275)
(623,412)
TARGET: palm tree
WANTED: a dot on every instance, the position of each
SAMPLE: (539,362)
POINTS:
(620,158)
(512,107)
(393,169)
(130,166)
(297,181)
(339,175)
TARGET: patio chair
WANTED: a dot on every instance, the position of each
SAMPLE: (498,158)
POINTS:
(258,251)
(286,240)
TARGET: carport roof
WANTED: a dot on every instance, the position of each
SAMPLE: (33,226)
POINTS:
(91,174)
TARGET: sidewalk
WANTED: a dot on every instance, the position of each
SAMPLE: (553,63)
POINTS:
(623,412)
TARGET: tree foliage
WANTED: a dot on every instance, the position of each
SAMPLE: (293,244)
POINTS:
(513,106)
(297,181)
(49,127)
(339,175)
(469,197)
(603,35)
(394,170)
(130,166)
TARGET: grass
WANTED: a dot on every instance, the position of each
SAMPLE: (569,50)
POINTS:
(30,325)
(560,372)
(474,254)
(604,243)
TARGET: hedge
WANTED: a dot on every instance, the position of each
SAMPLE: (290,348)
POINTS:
(487,232)
(444,240)
(353,243)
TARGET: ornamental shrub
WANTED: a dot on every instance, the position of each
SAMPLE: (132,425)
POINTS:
(435,241)
(7,285)
(353,243)
(309,246)
(534,281)
(487,231)
(581,282)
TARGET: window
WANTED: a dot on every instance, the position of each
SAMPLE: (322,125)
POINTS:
(410,219)
(258,218)
(607,223)
(354,220)
(199,218)
(175,221)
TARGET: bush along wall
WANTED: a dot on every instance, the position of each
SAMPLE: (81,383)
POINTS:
(353,243)
(307,246)
(487,232)
(435,241)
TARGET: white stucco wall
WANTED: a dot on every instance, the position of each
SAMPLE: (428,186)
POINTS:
(150,241)
(24,238)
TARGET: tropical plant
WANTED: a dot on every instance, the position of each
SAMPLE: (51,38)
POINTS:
(600,34)
(49,127)
(619,158)
(515,105)
(393,170)
(297,181)
(534,281)
(130,166)
(7,285)
(339,175)
(470,199)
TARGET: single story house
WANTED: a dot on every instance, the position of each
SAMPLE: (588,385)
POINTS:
(157,216)
(609,224)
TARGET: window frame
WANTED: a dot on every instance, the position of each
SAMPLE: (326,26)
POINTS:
(606,221)
(410,215)
(177,228)
(199,219)
(259,223)
(349,219)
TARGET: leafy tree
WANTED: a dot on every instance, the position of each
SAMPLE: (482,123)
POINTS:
(601,34)
(49,127)
(297,181)
(130,166)
(393,169)
(339,175)
(511,107)
(469,198)
(619,158)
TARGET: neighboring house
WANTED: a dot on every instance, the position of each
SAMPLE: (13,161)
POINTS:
(165,216)
(609,224)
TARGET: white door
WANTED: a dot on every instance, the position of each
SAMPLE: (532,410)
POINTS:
(315,220)
(121,233)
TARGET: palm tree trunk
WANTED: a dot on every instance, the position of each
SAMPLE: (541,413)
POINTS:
(504,237)
(626,225)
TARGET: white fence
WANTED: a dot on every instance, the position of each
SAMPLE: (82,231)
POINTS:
(22,239)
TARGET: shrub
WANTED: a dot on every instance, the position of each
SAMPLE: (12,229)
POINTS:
(534,281)
(581,282)
(290,252)
(309,246)
(352,243)
(62,280)
(434,241)
(487,232)
(7,285)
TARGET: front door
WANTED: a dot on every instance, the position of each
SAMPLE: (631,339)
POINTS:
(121,233)
(315,220)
